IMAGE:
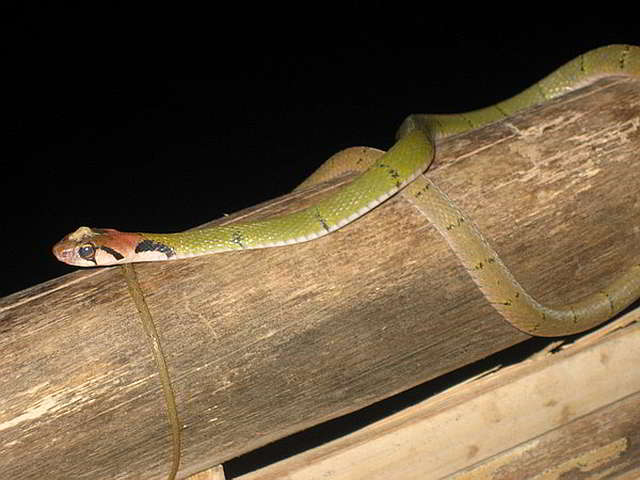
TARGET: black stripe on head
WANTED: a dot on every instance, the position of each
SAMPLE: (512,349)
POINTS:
(151,246)
(115,254)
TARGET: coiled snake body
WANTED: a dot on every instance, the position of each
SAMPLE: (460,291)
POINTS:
(384,175)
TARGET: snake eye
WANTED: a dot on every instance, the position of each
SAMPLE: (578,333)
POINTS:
(88,252)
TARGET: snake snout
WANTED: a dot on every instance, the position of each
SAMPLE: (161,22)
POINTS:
(62,252)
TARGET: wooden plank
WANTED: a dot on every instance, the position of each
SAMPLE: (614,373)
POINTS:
(557,414)
(215,473)
(602,444)
(261,344)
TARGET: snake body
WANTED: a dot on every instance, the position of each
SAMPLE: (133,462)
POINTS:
(384,174)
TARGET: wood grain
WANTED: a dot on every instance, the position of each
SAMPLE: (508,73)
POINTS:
(559,414)
(264,343)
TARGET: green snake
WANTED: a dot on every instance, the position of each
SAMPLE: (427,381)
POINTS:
(382,176)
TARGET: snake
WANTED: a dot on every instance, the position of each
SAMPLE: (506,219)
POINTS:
(381,175)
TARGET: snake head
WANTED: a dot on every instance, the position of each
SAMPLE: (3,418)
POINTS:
(92,247)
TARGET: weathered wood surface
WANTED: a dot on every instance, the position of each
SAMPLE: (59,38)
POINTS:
(214,473)
(559,414)
(264,343)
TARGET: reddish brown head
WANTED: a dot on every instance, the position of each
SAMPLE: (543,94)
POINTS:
(91,247)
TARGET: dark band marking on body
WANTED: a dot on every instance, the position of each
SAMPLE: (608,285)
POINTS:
(502,112)
(151,246)
(612,307)
(114,253)
(393,173)
(623,58)
(506,303)
(469,122)
(459,221)
(238,239)
(423,190)
(322,220)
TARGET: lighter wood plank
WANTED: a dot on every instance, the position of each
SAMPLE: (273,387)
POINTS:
(490,428)
(215,473)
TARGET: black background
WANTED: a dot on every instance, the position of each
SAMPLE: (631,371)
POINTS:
(159,120)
